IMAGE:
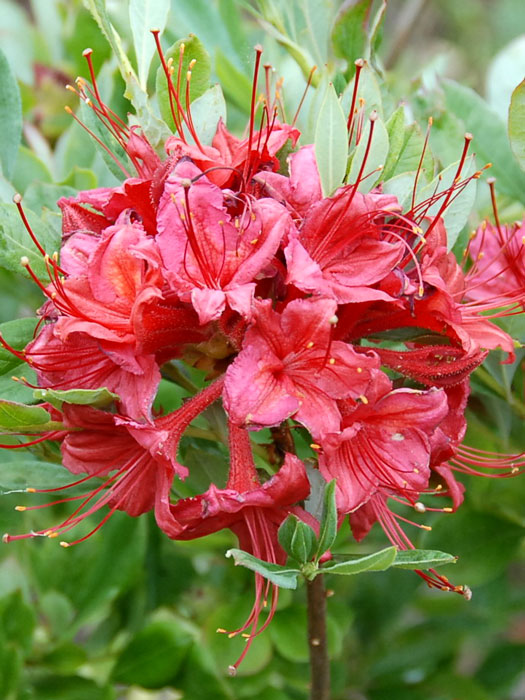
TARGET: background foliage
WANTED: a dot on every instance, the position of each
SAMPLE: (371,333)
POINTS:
(132,615)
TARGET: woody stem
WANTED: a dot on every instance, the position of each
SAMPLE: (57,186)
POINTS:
(319,661)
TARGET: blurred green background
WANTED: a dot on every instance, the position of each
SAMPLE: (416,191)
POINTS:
(131,615)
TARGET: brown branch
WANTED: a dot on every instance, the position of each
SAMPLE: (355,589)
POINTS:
(319,661)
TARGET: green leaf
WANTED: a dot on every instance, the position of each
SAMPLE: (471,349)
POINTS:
(17,417)
(19,475)
(331,143)
(10,117)
(154,655)
(28,169)
(200,74)
(379,561)
(491,142)
(112,146)
(349,36)
(375,159)
(297,539)
(304,542)
(279,575)
(460,205)
(15,241)
(17,334)
(517,124)
(422,559)
(145,15)
(506,70)
(40,195)
(409,155)
(395,127)
(206,112)
(100,398)
(328,530)
(80,179)
(154,128)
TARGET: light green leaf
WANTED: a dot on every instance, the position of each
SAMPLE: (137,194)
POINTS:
(100,398)
(517,124)
(505,71)
(395,127)
(206,112)
(328,529)
(331,143)
(153,127)
(457,212)
(200,74)
(145,15)
(10,117)
(491,143)
(368,92)
(375,159)
(303,543)
(279,575)
(17,417)
(15,241)
(18,334)
(422,559)
(379,561)
(402,187)
(28,169)
(112,146)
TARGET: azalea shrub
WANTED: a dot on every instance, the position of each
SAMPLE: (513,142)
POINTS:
(295,334)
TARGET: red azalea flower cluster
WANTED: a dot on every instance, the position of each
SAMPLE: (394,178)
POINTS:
(294,302)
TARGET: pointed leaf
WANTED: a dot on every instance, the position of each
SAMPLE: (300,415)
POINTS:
(17,417)
(491,142)
(376,156)
(379,561)
(304,543)
(100,398)
(145,15)
(10,117)
(457,212)
(328,529)
(349,37)
(200,74)
(18,334)
(331,143)
(422,559)
(279,575)
(16,243)
(517,124)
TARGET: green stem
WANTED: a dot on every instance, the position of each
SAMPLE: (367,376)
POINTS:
(319,661)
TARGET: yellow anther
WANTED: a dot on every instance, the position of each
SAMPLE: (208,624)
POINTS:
(439,487)
(188,75)
(448,509)
(426,527)
(363,399)
(52,535)
(220,630)
(20,508)
(421,291)
(331,361)
(232,635)
(420,507)
(24,261)
(65,545)
(5,538)
(254,241)
(192,63)
(359,370)
(30,490)
(315,446)
(416,470)
(333,320)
